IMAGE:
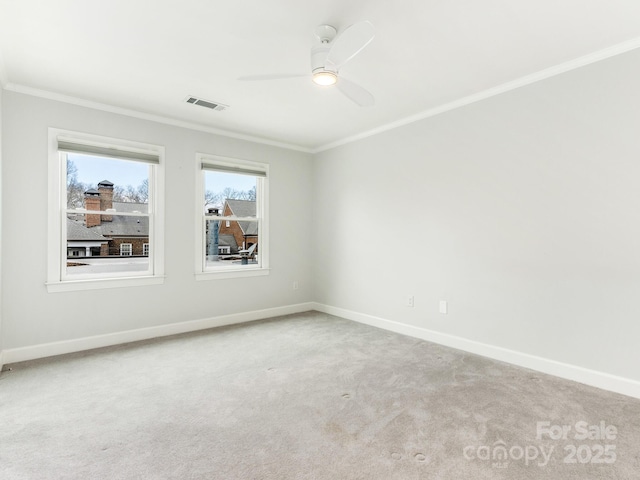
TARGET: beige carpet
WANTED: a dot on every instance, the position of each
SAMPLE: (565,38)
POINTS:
(307,396)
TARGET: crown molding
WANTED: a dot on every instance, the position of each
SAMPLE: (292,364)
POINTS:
(491,92)
(574,64)
(35,92)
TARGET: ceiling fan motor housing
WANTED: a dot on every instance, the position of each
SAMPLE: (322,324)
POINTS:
(322,75)
(318,57)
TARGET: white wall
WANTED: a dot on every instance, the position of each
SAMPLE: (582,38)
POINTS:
(1,190)
(522,211)
(32,316)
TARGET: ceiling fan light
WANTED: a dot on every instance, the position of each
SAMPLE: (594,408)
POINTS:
(325,78)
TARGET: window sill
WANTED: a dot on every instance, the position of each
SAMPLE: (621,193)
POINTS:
(222,274)
(95,284)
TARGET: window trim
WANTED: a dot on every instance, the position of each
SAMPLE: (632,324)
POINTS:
(56,282)
(233,165)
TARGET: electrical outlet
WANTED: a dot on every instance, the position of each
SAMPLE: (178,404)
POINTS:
(443,307)
(296,285)
(410,301)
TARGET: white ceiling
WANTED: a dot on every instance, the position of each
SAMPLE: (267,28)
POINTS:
(427,55)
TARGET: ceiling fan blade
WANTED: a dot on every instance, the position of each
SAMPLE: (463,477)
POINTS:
(253,78)
(348,44)
(355,92)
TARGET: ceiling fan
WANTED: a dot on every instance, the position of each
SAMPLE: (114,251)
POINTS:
(330,55)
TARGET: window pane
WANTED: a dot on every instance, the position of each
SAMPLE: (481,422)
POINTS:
(220,187)
(230,243)
(114,243)
(230,247)
(98,250)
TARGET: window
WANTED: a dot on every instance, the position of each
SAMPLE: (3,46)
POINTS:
(232,218)
(105,203)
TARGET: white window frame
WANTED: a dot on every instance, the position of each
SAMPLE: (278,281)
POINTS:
(57,281)
(130,248)
(262,212)
(146,249)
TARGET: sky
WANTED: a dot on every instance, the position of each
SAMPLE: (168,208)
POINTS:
(217,181)
(92,170)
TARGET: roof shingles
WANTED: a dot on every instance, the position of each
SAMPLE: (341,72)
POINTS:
(76,231)
(244,208)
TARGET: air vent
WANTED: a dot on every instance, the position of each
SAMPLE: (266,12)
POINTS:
(218,107)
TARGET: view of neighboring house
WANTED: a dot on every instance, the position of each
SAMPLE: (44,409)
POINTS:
(84,242)
(245,234)
(232,236)
(100,235)
(227,245)
(90,235)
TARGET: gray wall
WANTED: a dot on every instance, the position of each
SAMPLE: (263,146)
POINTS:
(522,211)
(1,189)
(32,316)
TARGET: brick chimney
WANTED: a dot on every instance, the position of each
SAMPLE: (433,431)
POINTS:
(92,202)
(105,188)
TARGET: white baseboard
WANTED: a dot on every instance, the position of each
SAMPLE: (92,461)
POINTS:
(594,378)
(79,344)
(567,371)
